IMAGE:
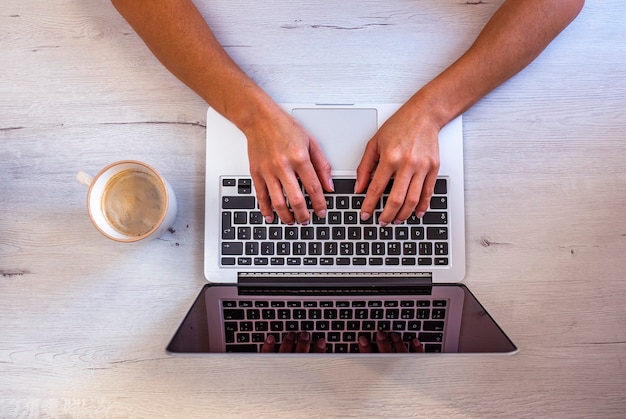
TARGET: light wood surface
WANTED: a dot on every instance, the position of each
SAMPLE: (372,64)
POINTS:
(84,321)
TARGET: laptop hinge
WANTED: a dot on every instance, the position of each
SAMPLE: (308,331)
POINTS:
(303,283)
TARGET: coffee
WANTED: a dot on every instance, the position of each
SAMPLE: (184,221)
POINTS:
(133,202)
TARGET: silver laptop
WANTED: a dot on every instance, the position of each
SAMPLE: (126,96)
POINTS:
(338,277)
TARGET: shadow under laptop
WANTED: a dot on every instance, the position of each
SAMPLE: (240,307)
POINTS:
(478,332)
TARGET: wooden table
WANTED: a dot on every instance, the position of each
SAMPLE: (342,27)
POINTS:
(84,321)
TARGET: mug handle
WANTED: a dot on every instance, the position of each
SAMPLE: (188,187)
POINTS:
(84,178)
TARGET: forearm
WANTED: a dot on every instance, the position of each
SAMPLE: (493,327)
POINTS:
(179,37)
(517,33)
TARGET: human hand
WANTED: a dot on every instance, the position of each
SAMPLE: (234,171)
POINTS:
(280,152)
(290,344)
(384,344)
(405,148)
(389,343)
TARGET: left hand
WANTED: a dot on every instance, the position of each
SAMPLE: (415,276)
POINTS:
(405,148)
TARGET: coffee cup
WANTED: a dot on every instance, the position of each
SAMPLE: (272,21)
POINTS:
(129,201)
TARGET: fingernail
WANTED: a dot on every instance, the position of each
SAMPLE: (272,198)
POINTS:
(380,335)
(269,219)
(305,336)
(395,337)
(383,223)
(396,221)
(420,215)
(305,223)
(332,184)
(270,339)
(365,216)
(363,341)
(321,214)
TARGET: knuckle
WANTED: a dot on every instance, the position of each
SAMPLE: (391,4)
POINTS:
(297,201)
(395,201)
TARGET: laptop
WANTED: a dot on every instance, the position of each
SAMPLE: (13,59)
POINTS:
(338,277)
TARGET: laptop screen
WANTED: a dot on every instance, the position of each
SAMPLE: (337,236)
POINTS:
(479,332)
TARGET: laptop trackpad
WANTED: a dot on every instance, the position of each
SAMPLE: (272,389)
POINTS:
(342,132)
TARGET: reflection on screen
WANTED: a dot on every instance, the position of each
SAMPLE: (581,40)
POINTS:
(479,332)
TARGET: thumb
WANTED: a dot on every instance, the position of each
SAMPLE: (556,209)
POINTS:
(321,165)
(366,167)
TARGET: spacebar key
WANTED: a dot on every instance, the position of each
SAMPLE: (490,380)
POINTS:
(251,347)
(238,202)
(344,186)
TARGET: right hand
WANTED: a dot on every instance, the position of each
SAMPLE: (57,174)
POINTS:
(280,152)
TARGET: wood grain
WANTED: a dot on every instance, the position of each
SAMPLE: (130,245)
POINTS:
(85,321)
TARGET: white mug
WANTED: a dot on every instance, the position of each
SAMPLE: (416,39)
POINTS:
(129,201)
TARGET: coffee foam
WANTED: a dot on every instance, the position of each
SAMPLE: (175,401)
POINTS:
(133,202)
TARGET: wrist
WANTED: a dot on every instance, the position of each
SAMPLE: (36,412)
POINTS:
(435,103)
(251,109)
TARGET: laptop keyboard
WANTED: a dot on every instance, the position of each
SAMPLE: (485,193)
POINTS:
(339,239)
(248,322)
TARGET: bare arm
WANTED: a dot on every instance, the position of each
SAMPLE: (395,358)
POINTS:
(179,37)
(516,34)
(406,147)
(279,149)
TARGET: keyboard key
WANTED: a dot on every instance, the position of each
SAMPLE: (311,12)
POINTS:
(439,202)
(441,248)
(441,187)
(228,261)
(432,347)
(344,186)
(435,217)
(430,337)
(433,326)
(261,261)
(252,347)
(437,233)
(232,248)
(240,217)
(234,314)
(238,202)
(342,202)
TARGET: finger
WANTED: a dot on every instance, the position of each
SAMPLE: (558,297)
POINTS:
(366,167)
(398,344)
(303,344)
(321,165)
(411,199)
(364,345)
(288,343)
(279,202)
(375,190)
(268,345)
(426,194)
(297,203)
(314,190)
(395,200)
(416,346)
(263,198)
(320,346)
(382,341)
